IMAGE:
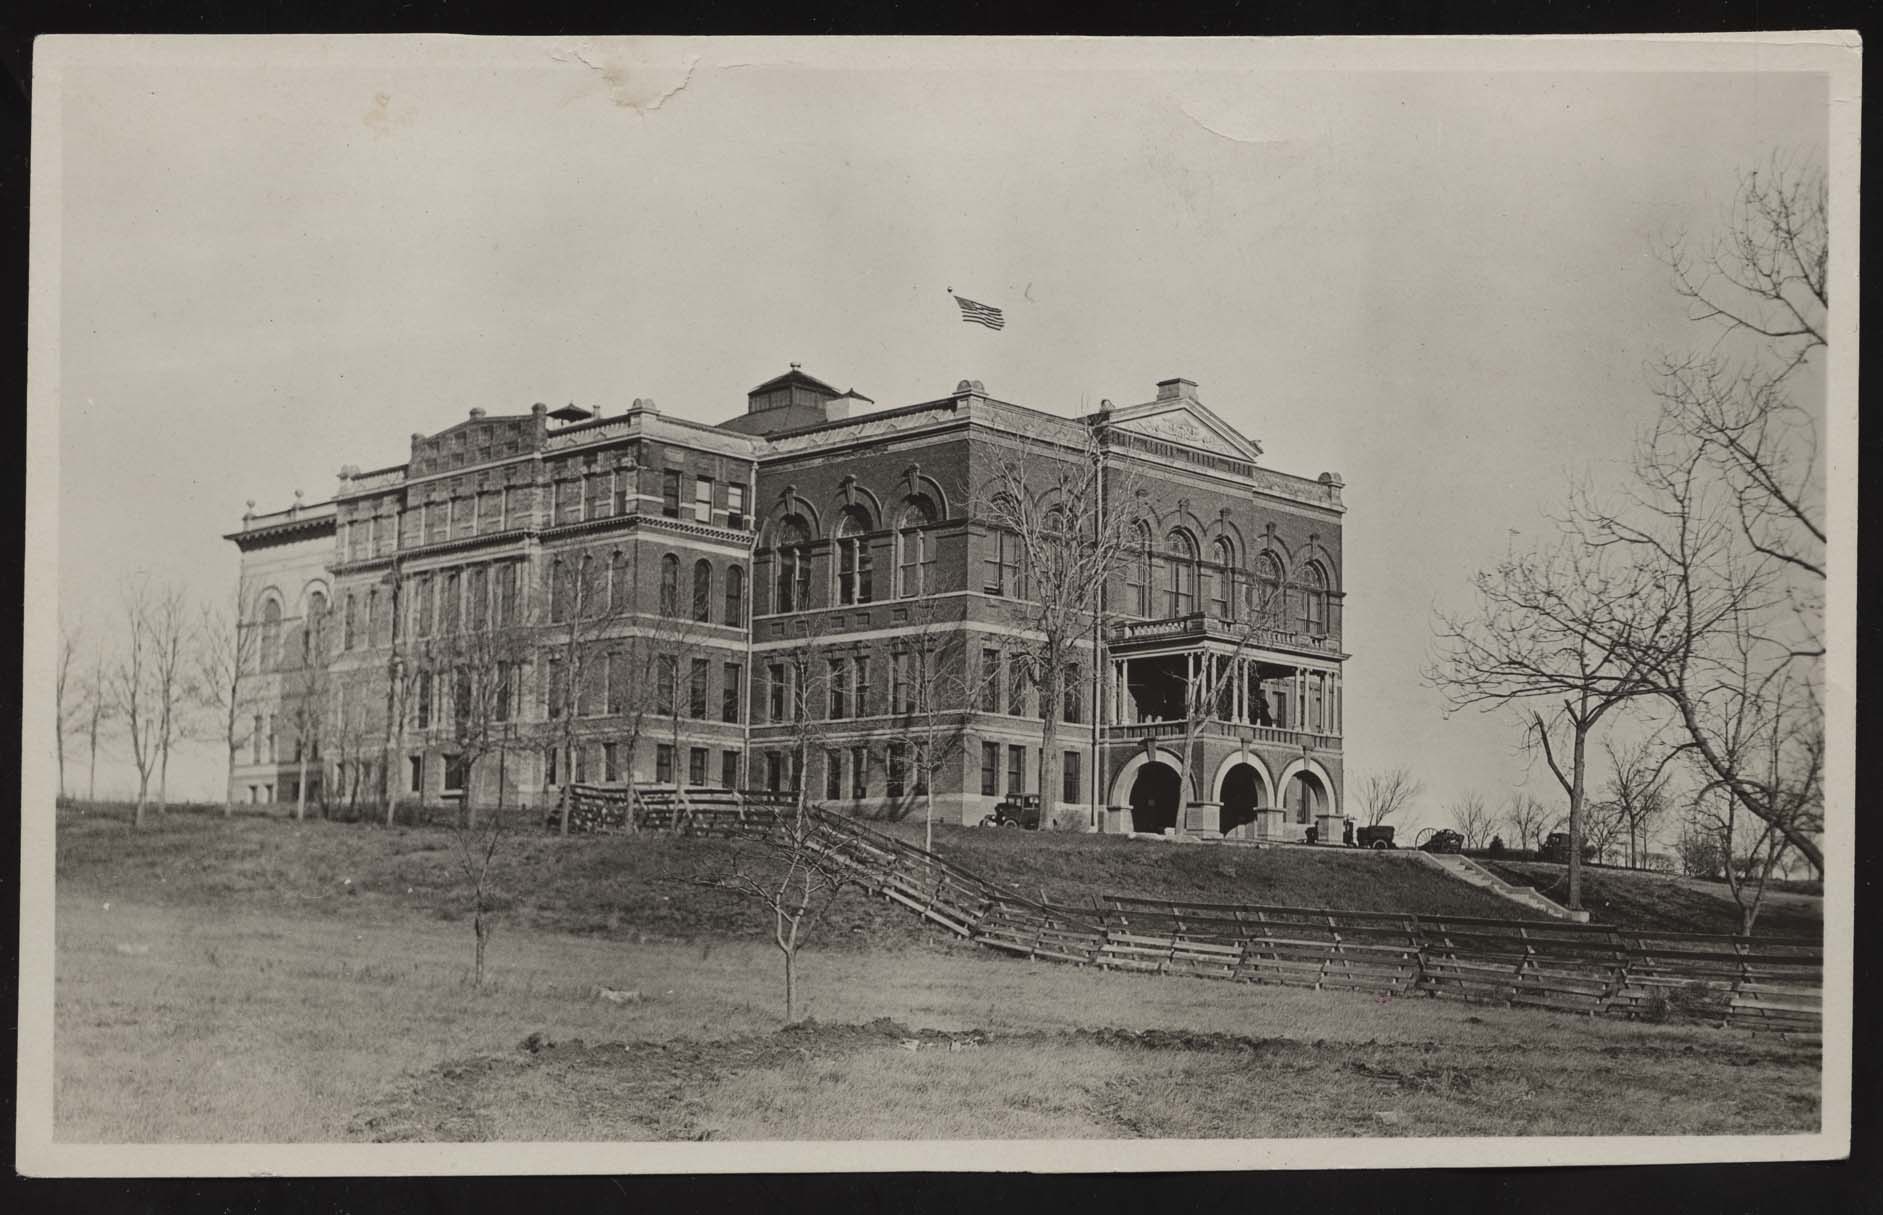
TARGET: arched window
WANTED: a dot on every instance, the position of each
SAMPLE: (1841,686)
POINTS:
(669,585)
(702,590)
(854,572)
(558,591)
(1265,594)
(1223,580)
(1002,561)
(735,595)
(1179,574)
(913,558)
(268,647)
(791,565)
(313,633)
(1313,599)
(620,586)
(1138,572)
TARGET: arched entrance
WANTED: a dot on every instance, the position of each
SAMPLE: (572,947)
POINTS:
(1241,798)
(1155,795)
(1305,798)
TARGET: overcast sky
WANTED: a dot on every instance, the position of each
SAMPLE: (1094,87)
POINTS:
(1441,285)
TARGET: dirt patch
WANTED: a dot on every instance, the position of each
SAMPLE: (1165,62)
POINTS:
(575,1090)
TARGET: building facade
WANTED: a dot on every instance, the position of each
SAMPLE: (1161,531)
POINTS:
(810,592)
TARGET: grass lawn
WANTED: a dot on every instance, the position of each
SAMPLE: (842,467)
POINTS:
(1635,899)
(217,984)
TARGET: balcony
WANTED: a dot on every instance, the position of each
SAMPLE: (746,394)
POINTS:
(1134,732)
(1199,626)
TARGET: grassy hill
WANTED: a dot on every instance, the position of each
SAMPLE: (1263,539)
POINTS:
(1636,899)
(638,887)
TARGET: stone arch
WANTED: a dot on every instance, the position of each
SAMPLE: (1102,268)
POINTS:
(1263,777)
(1313,768)
(1127,775)
(855,500)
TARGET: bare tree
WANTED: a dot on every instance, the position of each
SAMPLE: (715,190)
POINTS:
(309,685)
(1565,635)
(1384,794)
(793,874)
(1473,819)
(479,841)
(591,663)
(1726,506)
(1526,818)
(228,662)
(99,709)
(133,689)
(1070,522)
(931,692)
(1746,849)
(1636,792)
(171,635)
(68,695)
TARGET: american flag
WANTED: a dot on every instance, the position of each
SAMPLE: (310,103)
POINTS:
(981,314)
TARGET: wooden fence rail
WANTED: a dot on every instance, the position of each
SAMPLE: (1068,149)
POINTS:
(1752,982)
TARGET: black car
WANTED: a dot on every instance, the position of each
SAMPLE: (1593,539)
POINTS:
(1022,811)
(1444,840)
(1373,837)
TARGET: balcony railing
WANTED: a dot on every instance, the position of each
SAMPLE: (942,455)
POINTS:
(1212,728)
(1199,625)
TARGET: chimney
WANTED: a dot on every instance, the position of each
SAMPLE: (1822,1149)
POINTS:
(1176,390)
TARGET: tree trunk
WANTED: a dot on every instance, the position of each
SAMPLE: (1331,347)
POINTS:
(563,800)
(228,792)
(791,982)
(1575,818)
(482,930)
(928,813)
(163,776)
(143,795)
(1049,747)
(300,797)
(59,739)
(91,772)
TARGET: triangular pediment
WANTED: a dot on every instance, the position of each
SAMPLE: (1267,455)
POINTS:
(1188,423)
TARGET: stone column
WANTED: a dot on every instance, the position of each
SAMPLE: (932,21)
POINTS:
(1268,822)
(1203,818)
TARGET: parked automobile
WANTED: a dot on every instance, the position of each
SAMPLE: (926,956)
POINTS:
(1022,811)
(1374,837)
(1556,849)
(1444,840)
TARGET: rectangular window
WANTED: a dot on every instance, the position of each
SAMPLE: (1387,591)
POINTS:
(663,764)
(774,771)
(437,522)
(611,762)
(463,514)
(382,534)
(549,766)
(860,685)
(859,772)
(775,686)
(418,774)
(901,692)
(990,769)
(461,696)
(735,505)
(702,499)
(596,487)
(477,596)
(1069,785)
(839,689)
(422,605)
(1016,771)
(624,491)
(424,700)
(1073,707)
(730,677)
(670,493)
(505,690)
(516,507)
(696,695)
(580,756)
(696,766)
(833,775)
(490,512)
(990,681)
(1016,687)
(255,741)
(666,673)
(617,664)
(449,603)
(1003,565)
(898,769)
(558,688)
(729,769)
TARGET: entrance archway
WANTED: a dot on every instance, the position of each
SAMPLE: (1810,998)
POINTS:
(1241,798)
(1305,798)
(1155,795)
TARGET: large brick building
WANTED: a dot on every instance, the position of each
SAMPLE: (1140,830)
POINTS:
(775,574)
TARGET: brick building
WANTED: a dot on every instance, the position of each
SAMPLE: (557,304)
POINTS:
(804,592)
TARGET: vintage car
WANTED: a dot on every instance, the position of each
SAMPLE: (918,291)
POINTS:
(1022,811)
